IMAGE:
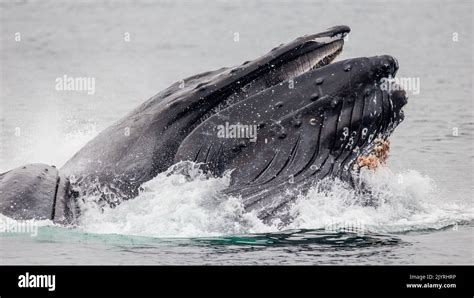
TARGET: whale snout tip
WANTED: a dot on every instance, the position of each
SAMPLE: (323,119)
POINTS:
(400,96)
(334,33)
(385,65)
(340,29)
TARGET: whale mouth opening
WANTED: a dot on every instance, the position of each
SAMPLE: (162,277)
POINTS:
(309,56)
(293,62)
(302,55)
(311,60)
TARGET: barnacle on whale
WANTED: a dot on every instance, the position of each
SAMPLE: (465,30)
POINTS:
(377,156)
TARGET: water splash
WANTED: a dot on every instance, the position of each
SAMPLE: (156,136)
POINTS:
(181,202)
(185,202)
(402,202)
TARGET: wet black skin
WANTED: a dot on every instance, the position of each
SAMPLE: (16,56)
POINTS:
(314,119)
(308,133)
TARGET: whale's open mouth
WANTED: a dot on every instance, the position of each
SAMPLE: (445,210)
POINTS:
(315,118)
(314,58)
(282,64)
(312,117)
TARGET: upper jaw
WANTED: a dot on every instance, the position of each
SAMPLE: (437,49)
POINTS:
(293,59)
(281,64)
(314,50)
(331,34)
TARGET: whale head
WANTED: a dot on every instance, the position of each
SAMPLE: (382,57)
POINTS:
(278,123)
(284,120)
(323,119)
(158,127)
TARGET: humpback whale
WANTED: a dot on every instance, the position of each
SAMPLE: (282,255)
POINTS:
(313,118)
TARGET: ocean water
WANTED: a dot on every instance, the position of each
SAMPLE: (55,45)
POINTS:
(424,212)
